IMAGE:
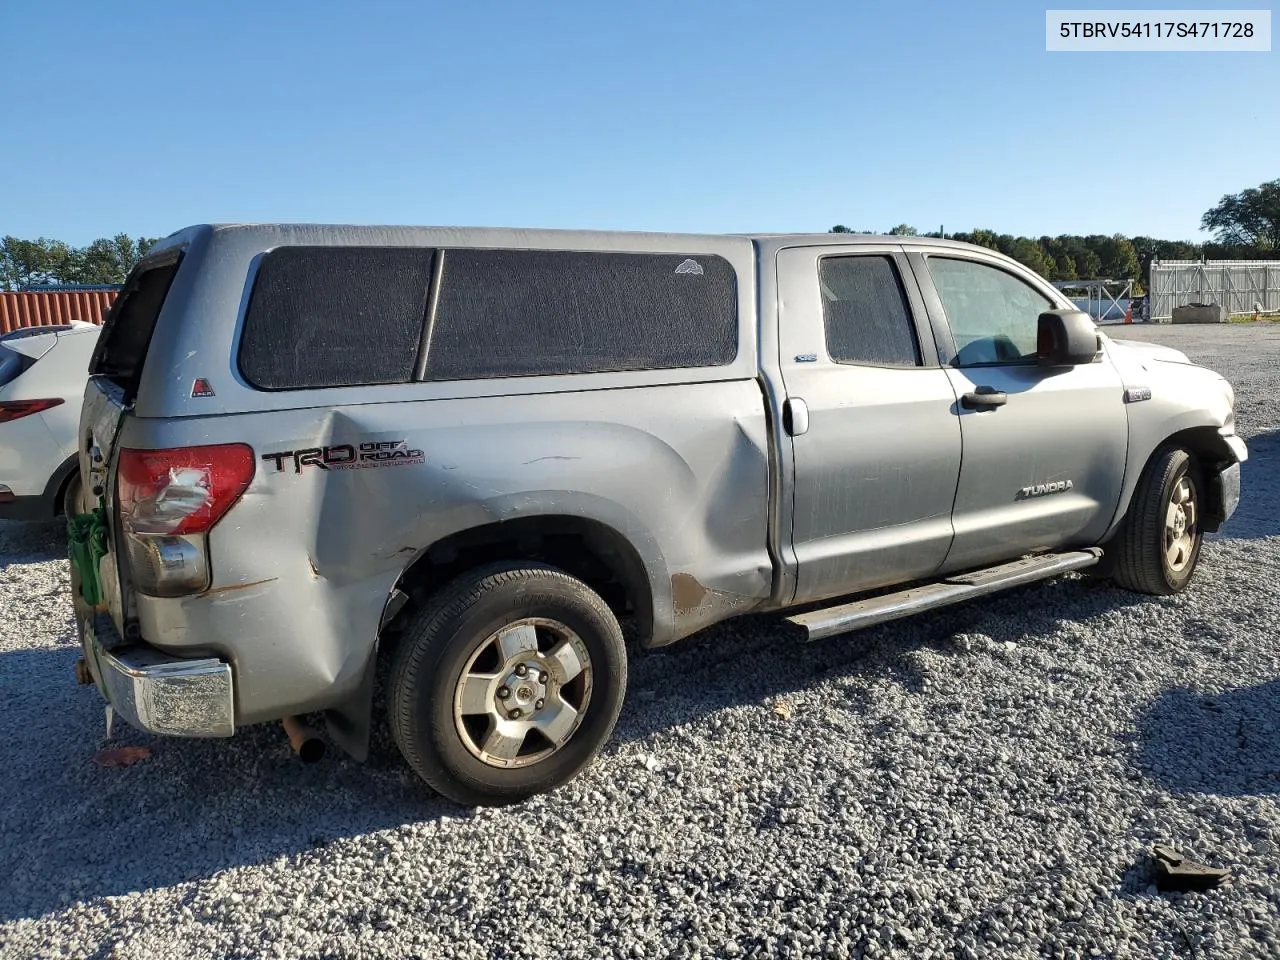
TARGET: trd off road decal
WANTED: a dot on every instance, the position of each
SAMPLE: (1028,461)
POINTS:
(345,456)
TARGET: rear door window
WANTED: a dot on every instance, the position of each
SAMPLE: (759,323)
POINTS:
(512,313)
(865,310)
(335,317)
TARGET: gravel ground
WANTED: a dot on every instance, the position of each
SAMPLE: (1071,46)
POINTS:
(985,781)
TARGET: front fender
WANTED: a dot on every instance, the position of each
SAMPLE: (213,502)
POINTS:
(1182,405)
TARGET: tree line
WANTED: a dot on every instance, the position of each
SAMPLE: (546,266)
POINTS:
(1246,226)
(33,263)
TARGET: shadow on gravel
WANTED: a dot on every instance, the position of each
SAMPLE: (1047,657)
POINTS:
(1258,515)
(32,542)
(1226,744)
(755,659)
(70,830)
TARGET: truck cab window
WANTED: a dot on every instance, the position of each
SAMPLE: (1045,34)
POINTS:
(992,314)
(865,310)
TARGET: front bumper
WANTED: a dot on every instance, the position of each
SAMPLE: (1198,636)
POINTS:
(156,692)
(1224,487)
(1224,497)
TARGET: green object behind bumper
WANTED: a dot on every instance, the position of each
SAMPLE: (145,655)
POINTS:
(87,539)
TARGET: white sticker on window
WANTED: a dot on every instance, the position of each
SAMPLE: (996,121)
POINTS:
(690,266)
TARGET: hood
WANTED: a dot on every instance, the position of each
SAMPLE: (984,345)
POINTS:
(1151,351)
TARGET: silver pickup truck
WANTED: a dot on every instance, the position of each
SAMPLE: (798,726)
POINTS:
(481,458)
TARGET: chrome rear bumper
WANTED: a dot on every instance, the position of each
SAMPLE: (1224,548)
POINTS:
(156,692)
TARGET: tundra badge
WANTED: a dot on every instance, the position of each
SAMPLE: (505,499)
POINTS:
(1043,489)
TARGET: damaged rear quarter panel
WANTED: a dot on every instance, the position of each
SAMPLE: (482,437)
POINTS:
(304,563)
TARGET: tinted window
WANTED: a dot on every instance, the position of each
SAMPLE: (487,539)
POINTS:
(508,313)
(335,316)
(11,364)
(866,312)
(992,314)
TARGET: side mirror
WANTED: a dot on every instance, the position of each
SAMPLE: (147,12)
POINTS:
(1066,338)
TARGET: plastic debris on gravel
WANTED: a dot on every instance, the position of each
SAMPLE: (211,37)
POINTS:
(986,781)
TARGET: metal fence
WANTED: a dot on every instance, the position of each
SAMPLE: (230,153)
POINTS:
(33,308)
(1238,285)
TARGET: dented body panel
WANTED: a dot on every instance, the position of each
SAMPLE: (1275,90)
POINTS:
(306,560)
(725,499)
(1166,395)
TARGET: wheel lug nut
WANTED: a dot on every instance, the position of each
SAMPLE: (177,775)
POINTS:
(543,677)
(521,670)
(515,714)
(538,705)
(503,693)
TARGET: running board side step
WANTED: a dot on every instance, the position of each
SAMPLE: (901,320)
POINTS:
(830,621)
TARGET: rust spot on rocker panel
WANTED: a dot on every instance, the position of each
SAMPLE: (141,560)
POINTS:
(686,593)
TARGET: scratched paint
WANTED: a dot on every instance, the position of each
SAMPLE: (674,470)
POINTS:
(218,591)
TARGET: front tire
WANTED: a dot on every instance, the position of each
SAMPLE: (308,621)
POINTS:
(507,684)
(1158,548)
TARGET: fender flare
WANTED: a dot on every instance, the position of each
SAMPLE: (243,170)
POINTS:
(622,526)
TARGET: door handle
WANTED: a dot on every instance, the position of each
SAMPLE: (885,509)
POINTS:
(984,398)
(795,416)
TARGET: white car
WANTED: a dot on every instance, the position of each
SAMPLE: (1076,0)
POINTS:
(42,377)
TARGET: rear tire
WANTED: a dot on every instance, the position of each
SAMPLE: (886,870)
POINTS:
(506,684)
(1158,547)
(70,502)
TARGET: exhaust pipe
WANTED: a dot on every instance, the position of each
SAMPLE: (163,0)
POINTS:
(305,741)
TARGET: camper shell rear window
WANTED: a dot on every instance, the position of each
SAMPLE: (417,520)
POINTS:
(126,333)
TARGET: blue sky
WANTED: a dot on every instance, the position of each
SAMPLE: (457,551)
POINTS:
(691,116)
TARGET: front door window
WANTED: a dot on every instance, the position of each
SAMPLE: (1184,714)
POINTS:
(992,314)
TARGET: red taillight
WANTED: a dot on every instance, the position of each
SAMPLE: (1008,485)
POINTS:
(17,409)
(181,490)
